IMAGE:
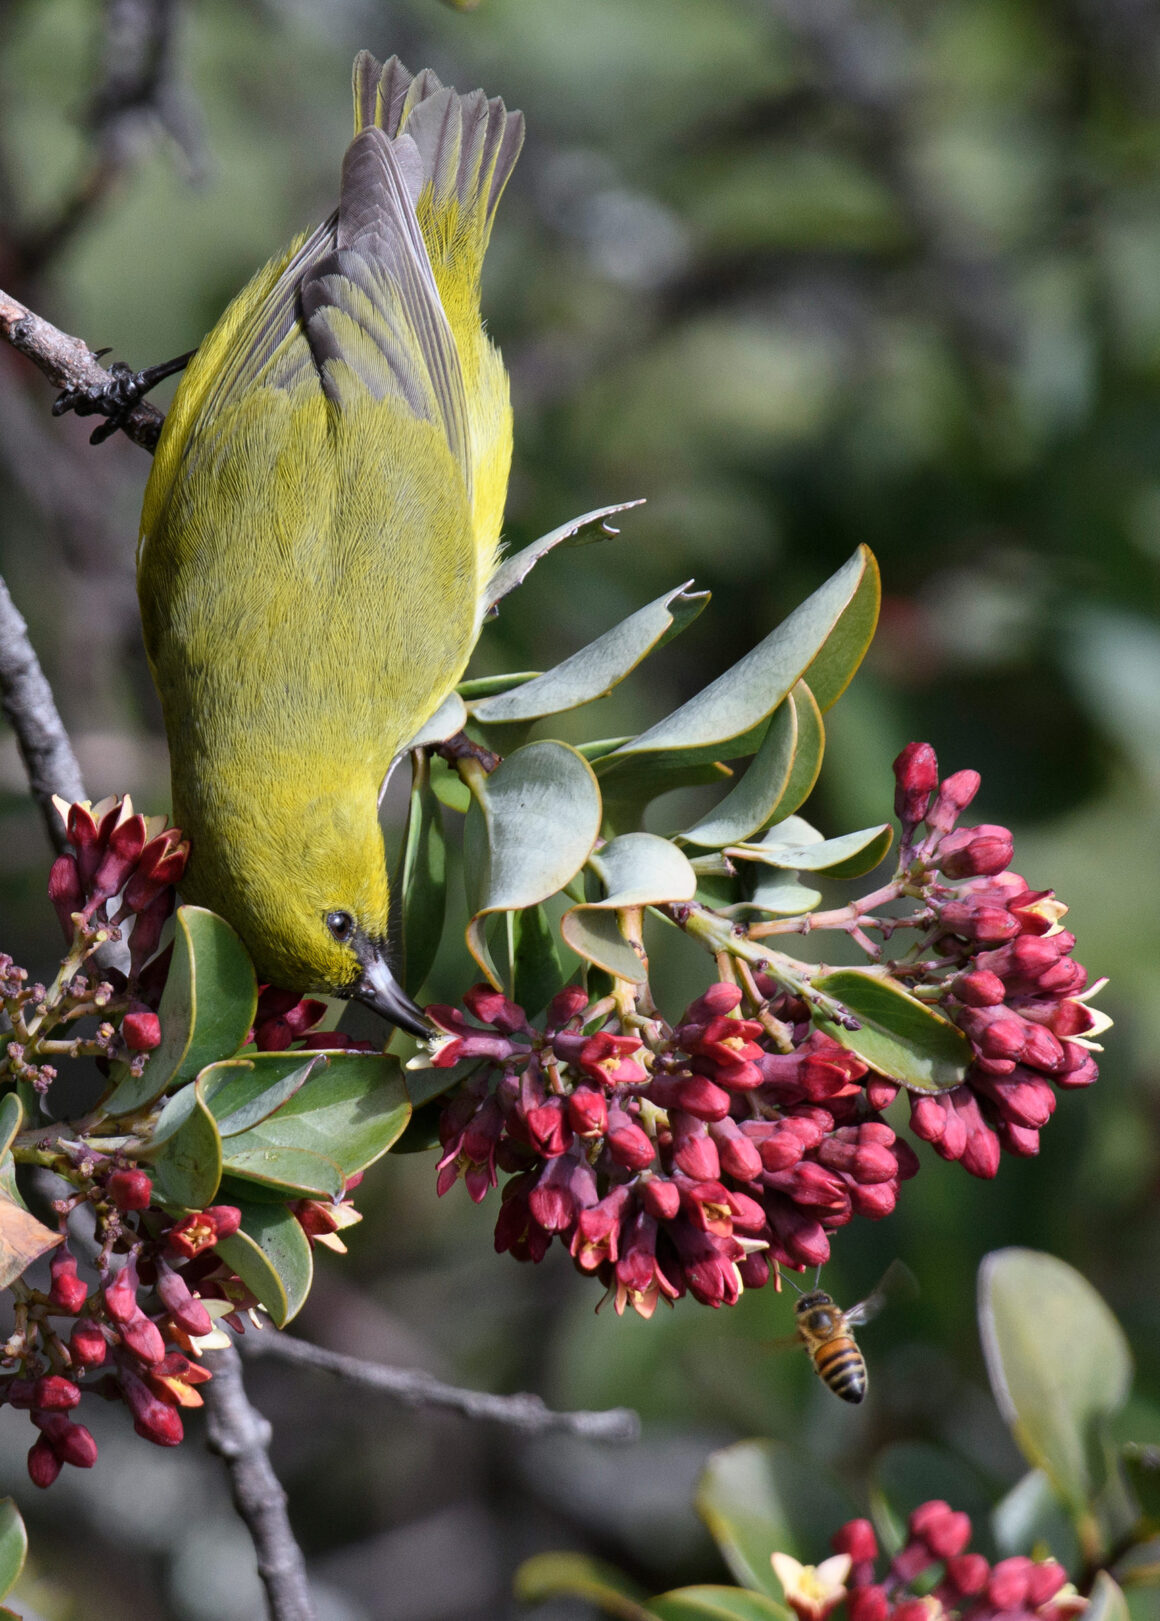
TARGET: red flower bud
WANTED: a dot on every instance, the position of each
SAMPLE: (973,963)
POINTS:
(856,1538)
(661,1198)
(55,1394)
(565,1005)
(916,776)
(629,1145)
(131,1190)
(1010,1582)
(143,1338)
(43,1463)
(954,795)
(65,891)
(142,1032)
(1044,1582)
(67,1291)
(87,1344)
(492,1007)
(121,1294)
(72,1443)
(153,1419)
(588,1112)
(967,1572)
(973,852)
(868,1604)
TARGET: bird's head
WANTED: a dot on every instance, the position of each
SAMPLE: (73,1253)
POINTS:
(311,900)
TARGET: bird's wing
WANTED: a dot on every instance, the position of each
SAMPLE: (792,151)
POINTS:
(373,317)
(468,145)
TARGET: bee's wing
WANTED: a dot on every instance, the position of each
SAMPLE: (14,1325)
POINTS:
(785,1342)
(898,1281)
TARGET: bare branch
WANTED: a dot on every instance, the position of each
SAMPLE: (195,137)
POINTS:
(415,1389)
(240,1436)
(27,700)
(69,363)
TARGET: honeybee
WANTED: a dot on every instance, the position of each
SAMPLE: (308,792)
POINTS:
(826,1331)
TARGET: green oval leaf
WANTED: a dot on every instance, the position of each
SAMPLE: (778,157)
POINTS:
(11,1119)
(596,669)
(716,1604)
(758,1497)
(898,1036)
(272,1256)
(555,1575)
(242,1092)
(1059,1366)
(351,1112)
(295,1172)
(207,1008)
(726,718)
(781,777)
(422,878)
(13,1544)
(515,570)
(186,1150)
(530,829)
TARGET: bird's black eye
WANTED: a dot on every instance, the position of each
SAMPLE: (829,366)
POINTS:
(341,925)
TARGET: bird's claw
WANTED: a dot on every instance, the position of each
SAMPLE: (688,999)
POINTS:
(117,398)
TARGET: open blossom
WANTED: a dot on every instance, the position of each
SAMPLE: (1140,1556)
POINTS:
(700,1158)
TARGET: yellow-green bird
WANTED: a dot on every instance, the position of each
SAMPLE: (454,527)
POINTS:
(319,529)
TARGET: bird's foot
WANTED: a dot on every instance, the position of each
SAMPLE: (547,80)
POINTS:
(116,399)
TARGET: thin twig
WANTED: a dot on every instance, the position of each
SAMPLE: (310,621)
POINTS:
(27,701)
(69,363)
(240,1436)
(415,1389)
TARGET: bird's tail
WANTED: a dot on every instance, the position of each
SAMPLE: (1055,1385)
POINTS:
(468,144)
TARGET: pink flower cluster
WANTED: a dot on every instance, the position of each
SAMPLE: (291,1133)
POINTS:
(686,1165)
(967,1588)
(699,1158)
(116,852)
(1011,983)
(132,1337)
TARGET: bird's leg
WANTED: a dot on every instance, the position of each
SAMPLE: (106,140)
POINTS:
(116,398)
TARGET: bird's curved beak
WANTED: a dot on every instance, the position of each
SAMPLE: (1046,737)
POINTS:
(379,989)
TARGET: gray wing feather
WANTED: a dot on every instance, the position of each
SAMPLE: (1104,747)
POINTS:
(372,303)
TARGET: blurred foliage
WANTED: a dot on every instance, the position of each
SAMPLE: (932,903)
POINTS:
(803,277)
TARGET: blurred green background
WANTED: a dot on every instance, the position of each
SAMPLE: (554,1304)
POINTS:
(802,274)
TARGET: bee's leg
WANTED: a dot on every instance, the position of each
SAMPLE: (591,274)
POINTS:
(115,399)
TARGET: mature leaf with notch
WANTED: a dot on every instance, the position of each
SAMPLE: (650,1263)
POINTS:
(596,669)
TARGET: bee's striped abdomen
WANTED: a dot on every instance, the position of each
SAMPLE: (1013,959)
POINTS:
(841,1366)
